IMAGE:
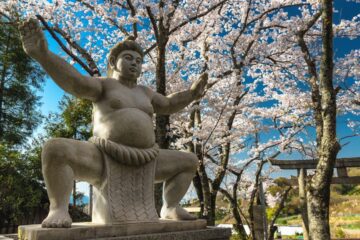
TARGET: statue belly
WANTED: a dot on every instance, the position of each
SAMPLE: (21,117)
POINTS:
(129,126)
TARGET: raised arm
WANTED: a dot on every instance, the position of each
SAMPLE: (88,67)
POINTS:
(65,75)
(177,101)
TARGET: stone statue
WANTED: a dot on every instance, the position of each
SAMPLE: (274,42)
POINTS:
(122,126)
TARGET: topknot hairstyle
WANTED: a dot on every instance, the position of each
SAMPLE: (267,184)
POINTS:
(128,44)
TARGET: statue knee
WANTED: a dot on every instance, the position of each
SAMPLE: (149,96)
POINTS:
(55,152)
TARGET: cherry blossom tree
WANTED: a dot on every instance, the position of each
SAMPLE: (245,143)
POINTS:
(262,58)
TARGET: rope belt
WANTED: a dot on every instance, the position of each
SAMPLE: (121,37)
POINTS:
(124,154)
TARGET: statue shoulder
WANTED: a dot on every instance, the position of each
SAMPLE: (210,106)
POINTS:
(147,90)
(106,81)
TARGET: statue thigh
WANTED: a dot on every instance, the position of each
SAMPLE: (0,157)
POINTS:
(84,158)
(171,163)
(87,163)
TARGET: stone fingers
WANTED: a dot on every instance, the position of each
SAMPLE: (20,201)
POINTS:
(29,28)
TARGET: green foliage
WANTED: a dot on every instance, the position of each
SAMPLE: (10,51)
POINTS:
(280,184)
(235,237)
(270,213)
(73,121)
(343,189)
(286,220)
(21,185)
(339,233)
(355,191)
(292,202)
(20,78)
(354,225)
(221,213)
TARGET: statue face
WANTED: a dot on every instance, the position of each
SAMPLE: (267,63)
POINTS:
(128,64)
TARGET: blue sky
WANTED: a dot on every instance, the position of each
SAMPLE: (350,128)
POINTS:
(52,94)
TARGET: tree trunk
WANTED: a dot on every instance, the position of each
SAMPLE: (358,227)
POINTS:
(199,192)
(318,192)
(74,194)
(162,121)
(303,204)
(238,226)
(272,227)
(212,209)
(206,194)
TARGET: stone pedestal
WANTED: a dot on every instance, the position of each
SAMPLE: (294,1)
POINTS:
(163,230)
(210,233)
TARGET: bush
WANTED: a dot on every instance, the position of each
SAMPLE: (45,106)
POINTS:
(339,233)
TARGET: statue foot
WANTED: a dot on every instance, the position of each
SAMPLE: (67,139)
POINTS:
(57,219)
(175,213)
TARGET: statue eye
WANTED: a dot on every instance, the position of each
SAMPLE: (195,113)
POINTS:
(128,57)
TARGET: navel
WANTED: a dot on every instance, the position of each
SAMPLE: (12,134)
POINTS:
(115,103)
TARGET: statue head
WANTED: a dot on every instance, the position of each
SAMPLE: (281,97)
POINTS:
(128,45)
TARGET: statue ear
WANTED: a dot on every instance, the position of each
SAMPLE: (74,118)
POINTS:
(112,62)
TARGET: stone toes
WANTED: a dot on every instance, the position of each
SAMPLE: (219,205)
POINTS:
(58,224)
(44,224)
(52,225)
(67,224)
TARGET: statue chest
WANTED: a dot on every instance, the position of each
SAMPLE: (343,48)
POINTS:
(122,97)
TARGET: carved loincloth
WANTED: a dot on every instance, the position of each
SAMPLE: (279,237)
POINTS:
(125,154)
(126,190)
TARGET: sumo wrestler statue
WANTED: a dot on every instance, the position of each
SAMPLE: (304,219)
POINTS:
(122,120)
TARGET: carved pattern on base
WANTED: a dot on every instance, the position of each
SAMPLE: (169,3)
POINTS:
(126,193)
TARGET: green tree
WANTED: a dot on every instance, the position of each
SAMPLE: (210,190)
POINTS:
(20,78)
(73,121)
(281,185)
(21,185)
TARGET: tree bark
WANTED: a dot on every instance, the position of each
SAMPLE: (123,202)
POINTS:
(303,203)
(162,121)
(272,227)
(74,194)
(255,201)
(318,192)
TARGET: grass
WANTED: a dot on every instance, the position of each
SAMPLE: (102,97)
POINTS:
(353,226)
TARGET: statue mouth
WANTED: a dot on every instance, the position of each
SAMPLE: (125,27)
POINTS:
(133,69)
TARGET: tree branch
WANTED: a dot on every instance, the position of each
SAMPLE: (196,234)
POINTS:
(193,18)
(153,23)
(75,58)
(133,14)
(83,52)
(112,21)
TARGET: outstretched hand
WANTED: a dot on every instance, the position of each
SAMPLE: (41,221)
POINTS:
(198,87)
(33,39)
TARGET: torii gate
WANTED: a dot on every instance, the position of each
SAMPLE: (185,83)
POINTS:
(302,165)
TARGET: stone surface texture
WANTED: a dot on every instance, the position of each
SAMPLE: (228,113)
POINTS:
(126,194)
(211,233)
(165,229)
(123,121)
